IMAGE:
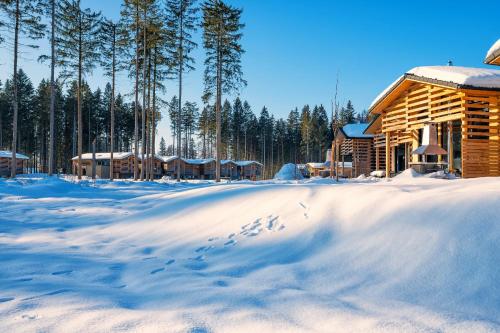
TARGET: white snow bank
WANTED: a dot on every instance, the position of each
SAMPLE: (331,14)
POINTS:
(494,50)
(8,154)
(289,172)
(419,256)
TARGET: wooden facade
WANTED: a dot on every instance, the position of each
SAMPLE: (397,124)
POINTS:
(356,148)
(229,169)
(157,166)
(123,165)
(6,163)
(467,118)
(250,170)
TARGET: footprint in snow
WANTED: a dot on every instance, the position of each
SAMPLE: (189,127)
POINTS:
(30,317)
(66,272)
(221,283)
(211,239)
(6,299)
(231,235)
(148,258)
(231,242)
(203,249)
(154,271)
(170,262)
(23,280)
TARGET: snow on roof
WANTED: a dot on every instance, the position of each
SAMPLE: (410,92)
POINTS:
(8,154)
(139,156)
(104,156)
(356,130)
(462,76)
(198,161)
(246,163)
(493,52)
(316,165)
(223,162)
(167,159)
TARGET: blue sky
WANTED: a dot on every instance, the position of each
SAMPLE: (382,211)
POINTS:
(295,48)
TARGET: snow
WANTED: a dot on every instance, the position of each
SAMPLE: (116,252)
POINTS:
(246,163)
(8,154)
(466,76)
(167,159)
(288,172)
(414,254)
(104,156)
(494,50)
(198,161)
(316,165)
(356,131)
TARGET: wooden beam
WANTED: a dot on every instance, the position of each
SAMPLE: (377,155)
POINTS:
(387,154)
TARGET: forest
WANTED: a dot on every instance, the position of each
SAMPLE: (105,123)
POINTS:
(63,116)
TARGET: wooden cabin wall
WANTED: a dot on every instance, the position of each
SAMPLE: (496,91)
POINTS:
(362,156)
(5,165)
(480,134)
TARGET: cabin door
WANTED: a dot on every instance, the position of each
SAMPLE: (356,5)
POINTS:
(400,158)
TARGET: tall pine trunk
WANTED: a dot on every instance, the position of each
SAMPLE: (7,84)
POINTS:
(136,114)
(112,109)
(143,120)
(218,143)
(153,137)
(179,111)
(15,99)
(79,99)
(52,89)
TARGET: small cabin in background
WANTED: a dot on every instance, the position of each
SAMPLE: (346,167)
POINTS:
(250,170)
(169,166)
(228,169)
(157,165)
(123,165)
(6,163)
(356,153)
(198,168)
(461,103)
(314,169)
(493,55)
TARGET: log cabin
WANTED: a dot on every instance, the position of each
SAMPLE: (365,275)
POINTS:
(250,170)
(6,163)
(228,169)
(462,103)
(314,169)
(157,165)
(169,166)
(356,154)
(493,55)
(198,168)
(123,165)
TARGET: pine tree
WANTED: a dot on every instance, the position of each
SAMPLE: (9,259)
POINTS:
(347,114)
(181,19)
(306,133)
(24,19)
(163,147)
(223,74)
(78,50)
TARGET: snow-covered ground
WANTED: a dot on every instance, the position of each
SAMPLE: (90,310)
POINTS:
(409,255)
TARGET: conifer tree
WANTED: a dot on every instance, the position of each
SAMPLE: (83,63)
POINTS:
(78,52)
(181,19)
(223,74)
(163,147)
(23,17)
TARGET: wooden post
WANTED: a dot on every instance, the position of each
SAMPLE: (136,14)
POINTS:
(331,159)
(440,139)
(93,160)
(337,155)
(387,155)
(343,167)
(450,147)
(377,158)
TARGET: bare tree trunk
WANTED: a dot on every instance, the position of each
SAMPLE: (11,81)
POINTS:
(218,143)
(112,108)
(79,101)
(143,120)
(13,168)
(181,60)
(52,89)
(93,161)
(153,138)
(136,116)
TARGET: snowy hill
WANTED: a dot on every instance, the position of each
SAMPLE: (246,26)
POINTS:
(412,255)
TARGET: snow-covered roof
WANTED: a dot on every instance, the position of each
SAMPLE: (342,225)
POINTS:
(246,163)
(8,154)
(196,161)
(456,76)
(104,156)
(493,52)
(139,156)
(167,159)
(356,131)
(316,165)
(223,162)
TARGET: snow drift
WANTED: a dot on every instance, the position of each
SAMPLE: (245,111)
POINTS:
(289,171)
(415,254)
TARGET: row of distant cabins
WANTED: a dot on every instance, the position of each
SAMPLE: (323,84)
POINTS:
(123,167)
(430,118)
